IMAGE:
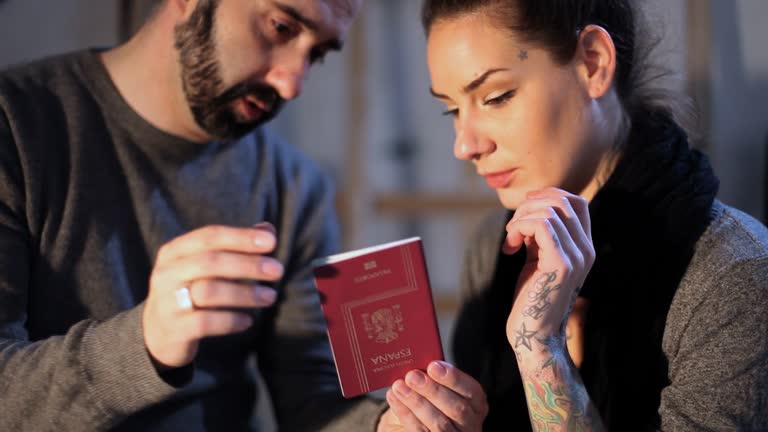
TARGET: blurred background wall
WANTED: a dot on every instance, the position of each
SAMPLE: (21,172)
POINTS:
(367,117)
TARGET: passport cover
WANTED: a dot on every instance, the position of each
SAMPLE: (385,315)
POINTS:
(381,320)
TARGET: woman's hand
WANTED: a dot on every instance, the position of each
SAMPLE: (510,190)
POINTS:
(554,225)
(443,399)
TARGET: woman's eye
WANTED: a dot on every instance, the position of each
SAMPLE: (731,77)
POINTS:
(451,112)
(498,100)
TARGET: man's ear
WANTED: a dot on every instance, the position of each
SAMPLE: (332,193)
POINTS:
(596,58)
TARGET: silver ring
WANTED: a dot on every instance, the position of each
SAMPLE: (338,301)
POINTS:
(184,299)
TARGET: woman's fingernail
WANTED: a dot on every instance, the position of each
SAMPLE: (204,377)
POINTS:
(390,395)
(415,378)
(401,389)
(508,249)
(438,369)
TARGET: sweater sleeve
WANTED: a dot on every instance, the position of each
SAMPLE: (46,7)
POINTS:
(86,379)
(719,369)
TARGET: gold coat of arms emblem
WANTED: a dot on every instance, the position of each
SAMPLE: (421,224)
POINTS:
(384,325)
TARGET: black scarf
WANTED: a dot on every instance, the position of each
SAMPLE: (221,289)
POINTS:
(646,220)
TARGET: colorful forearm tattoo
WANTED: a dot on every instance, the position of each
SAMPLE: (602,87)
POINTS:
(556,406)
(557,399)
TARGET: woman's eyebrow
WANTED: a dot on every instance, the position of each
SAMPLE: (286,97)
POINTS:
(473,85)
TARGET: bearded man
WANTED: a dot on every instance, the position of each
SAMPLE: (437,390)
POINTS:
(154,238)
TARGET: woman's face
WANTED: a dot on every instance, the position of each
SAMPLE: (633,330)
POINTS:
(524,121)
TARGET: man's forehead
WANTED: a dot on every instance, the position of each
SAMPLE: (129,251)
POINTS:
(343,9)
(346,8)
(329,20)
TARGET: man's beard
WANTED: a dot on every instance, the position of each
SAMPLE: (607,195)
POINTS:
(201,79)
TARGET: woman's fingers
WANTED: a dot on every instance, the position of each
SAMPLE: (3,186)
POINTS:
(560,209)
(572,210)
(461,383)
(554,248)
(442,399)
(578,204)
(415,411)
(561,237)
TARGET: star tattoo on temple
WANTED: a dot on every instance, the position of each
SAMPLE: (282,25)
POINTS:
(523,55)
(524,337)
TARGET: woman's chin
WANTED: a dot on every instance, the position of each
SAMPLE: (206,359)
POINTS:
(511,198)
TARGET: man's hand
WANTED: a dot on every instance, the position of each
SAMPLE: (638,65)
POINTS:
(443,399)
(215,264)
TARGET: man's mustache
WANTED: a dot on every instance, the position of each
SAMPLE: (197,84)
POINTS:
(263,93)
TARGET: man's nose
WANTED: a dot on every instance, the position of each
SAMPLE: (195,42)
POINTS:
(287,76)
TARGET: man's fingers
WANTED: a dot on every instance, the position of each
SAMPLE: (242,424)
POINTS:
(256,240)
(203,323)
(219,265)
(213,293)
(266,226)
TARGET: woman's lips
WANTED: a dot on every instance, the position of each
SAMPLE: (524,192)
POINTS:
(499,179)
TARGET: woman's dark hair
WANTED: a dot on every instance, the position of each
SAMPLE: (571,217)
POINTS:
(554,25)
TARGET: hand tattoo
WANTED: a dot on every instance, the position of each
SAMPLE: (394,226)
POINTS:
(540,302)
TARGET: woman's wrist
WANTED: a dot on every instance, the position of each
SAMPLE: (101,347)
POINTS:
(542,354)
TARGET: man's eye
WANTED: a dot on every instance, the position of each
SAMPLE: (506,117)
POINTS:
(280,27)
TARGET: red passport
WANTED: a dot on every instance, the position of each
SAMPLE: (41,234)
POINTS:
(378,306)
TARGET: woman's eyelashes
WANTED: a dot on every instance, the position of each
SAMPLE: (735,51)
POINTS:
(493,102)
(500,99)
(453,112)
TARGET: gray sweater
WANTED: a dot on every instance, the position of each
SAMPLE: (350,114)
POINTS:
(88,193)
(716,334)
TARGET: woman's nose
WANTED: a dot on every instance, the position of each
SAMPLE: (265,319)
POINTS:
(470,144)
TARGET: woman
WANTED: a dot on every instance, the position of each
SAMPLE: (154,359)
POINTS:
(616,292)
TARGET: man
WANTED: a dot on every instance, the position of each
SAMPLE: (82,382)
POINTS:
(151,239)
